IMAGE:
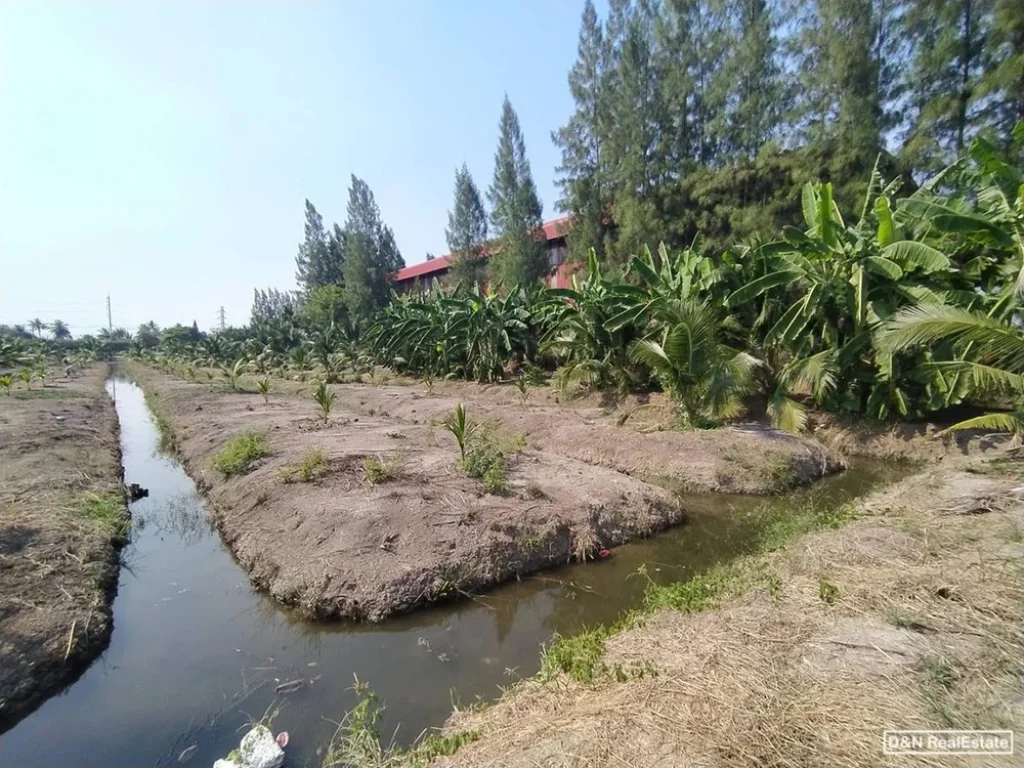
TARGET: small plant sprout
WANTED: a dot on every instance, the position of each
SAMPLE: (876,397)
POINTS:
(429,380)
(523,385)
(6,382)
(41,373)
(26,375)
(324,398)
(264,387)
(459,425)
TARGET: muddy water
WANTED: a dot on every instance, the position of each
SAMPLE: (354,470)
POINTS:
(195,653)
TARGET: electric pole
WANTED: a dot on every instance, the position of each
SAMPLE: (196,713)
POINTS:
(110,320)
(220,315)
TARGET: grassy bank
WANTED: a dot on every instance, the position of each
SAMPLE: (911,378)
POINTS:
(902,610)
(63,520)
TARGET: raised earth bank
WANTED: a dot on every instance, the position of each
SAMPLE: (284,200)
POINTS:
(907,617)
(367,514)
(62,519)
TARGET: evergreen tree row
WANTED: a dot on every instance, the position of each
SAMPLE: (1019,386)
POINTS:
(706,115)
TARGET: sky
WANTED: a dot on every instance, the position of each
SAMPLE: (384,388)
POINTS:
(160,152)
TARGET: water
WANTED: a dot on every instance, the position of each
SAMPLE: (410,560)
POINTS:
(195,653)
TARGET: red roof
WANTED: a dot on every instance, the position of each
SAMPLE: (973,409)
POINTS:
(552,230)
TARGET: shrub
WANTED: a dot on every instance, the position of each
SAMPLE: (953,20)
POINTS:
(241,451)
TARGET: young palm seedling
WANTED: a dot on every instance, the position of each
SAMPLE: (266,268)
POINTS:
(232,372)
(26,375)
(6,382)
(264,387)
(324,398)
(41,372)
(523,385)
(461,427)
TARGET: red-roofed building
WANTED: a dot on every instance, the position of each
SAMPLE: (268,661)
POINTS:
(553,231)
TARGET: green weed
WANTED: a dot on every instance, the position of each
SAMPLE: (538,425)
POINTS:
(486,456)
(311,467)
(377,469)
(578,656)
(827,591)
(238,455)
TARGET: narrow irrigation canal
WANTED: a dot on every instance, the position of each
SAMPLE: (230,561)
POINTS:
(195,653)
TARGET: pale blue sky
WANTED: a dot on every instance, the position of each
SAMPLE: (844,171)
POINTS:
(162,151)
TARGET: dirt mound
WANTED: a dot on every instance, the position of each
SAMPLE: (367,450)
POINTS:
(59,452)
(745,459)
(348,543)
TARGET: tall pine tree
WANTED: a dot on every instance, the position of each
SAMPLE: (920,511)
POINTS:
(638,115)
(752,69)
(312,264)
(585,188)
(515,208)
(948,40)
(467,231)
(371,255)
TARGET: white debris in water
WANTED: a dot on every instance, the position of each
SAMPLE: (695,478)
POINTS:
(258,749)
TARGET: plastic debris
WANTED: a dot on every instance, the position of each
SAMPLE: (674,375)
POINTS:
(282,739)
(605,552)
(259,749)
(290,687)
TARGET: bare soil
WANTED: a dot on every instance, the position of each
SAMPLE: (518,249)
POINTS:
(921,630)
(341,546)
(58,567)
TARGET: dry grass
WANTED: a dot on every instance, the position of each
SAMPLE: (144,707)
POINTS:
(924,631)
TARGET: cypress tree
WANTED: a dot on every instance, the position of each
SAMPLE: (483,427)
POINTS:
(467,230)
(515,208)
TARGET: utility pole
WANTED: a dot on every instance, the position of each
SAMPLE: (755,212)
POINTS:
(220,315)
(110,320)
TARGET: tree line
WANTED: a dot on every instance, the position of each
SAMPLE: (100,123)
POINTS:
(707,116)
(703,119)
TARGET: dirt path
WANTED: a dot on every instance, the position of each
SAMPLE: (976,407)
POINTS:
(342,544)
(907,618)
(62,517)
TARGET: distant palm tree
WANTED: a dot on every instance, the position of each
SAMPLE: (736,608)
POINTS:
(60,330)
(38,326)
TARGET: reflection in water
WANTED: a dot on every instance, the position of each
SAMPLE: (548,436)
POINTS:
(195,653)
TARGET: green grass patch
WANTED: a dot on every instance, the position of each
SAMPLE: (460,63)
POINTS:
(578,656)
(787,526)
(106,511)
(312,466)
(239,454)
(697,594)
(377,469)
